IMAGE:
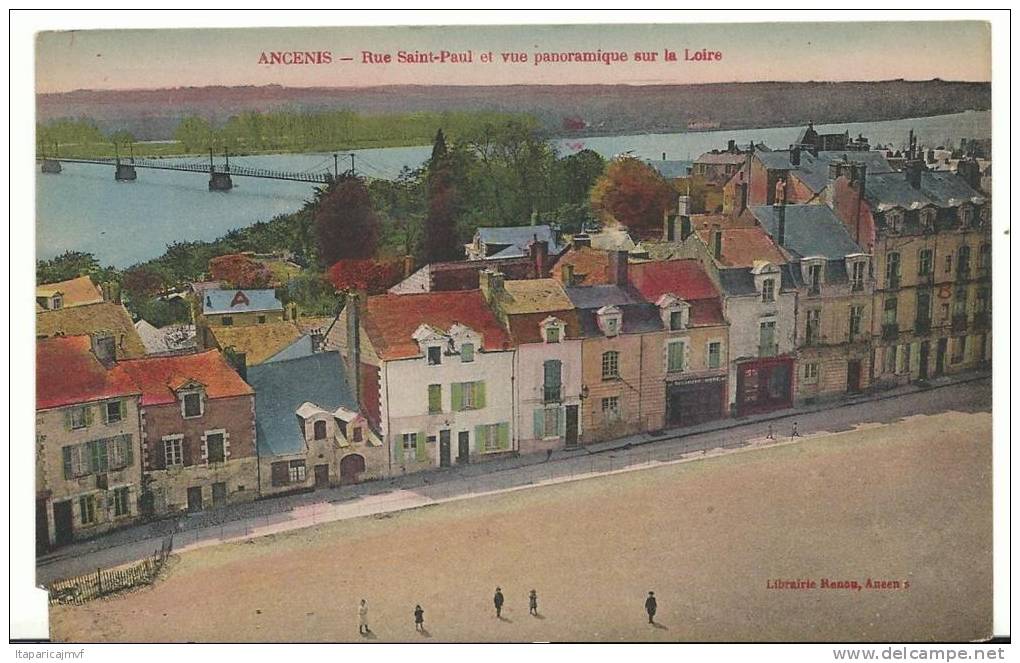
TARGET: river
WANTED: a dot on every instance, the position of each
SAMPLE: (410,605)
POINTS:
(123,223)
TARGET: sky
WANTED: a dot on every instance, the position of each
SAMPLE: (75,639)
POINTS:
(133,59)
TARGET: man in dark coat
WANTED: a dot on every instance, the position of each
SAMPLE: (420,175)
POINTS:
(419,618)
(497,600)
(533,603)
(650,607)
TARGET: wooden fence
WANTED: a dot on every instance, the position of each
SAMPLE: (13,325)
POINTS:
(91,586)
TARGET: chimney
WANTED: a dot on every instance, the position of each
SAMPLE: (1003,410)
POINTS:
(779,209)
(567,274)
(913,169)
(104,347)
(582,239)
(618,267)
(717,241)
(539,251)
(731,146)
(490,282)
(970,170)
(794,155)
(408,266)
(663,156)
(238,361)
(355,307)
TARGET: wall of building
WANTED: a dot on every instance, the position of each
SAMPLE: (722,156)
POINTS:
(52,435)
(529,383)
(745,314)
(640,388)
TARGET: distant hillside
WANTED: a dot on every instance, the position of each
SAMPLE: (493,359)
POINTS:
(575,110)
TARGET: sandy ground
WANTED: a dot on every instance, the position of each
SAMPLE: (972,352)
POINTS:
(909,501)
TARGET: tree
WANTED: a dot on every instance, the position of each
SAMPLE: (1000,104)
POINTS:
(374,276)
(66,266)
(240,271)
(346,225)
(632,193)
(141,282)
(440,240)
(313,294)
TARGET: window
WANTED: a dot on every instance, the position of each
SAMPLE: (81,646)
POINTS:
(675,356)
(857,277)
(924,262)
(892,270)
(714,355)
(105,348)
(944,312)
(928,219)
(963,262)
(810,373)
(856,316)
(435,398)
(960,300)
(467,353)
(435,355)
(767,339)
(227,321)
(490,437)
(296,471)
(280,473)
(99,456)
(261,319)
(983,300)
(985,256)
(894,220)
(215,451)
(548,420)
(890,359)
(319,430)
(985,214)
(79,417)
(813,327)
(113,411)
(357,434)
(552,334)
(904,353)
(173,447)
(768,290)
(87,509)
(611,409)
(889,311)
(676,320)
(959,348)
(966,215)
(468,395)
(76,461)
(120,502)
(815,279)
(192,405)
(923,306)
(949,263)
(119,452)
(56,302)
(552,374)
(610,365)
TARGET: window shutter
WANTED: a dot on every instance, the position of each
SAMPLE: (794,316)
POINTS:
(504,435)
(105,412)
(561,422)
(398,450)
(123,410)
(419,447)
(480,394)
(66,451)
(89,416)
(480,439)
(67,419)
(186,451)
(539,422)
(128,449)
(457,396)
(552,372)
(159,457)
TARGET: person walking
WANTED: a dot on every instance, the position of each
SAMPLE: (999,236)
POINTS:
(419,618)
(363,617)
(533,602)
(497,600)
(650,607)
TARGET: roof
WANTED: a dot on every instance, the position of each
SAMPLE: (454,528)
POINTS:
(740,281)
(527,327)
(518,238)
(813,170)
(612,238)
(258,342)
(282,387)
(722,158)
(533,296)
(165,339)
(74,292)
(639,318)
(216,301)
(302,347)
(947,189)
(67,372)
(741,247)
(686,279)
(461,274)
(159,377)
(390,320)
(669,169)
(91,318)
(590,265)
(597,296)
(811,230)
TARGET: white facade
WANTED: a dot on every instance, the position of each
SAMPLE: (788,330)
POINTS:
(472,404)
(540,429)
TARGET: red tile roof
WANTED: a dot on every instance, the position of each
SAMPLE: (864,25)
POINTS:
(390,320)
(67,373)
(741,247)
(591,266)
(159,376)
(687,280)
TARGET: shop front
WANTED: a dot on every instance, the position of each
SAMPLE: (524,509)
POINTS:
(764,385)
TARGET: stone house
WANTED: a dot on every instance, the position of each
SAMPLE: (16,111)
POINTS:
(108,323)
(216,308)
(88,471)
(65,294)
(198,432)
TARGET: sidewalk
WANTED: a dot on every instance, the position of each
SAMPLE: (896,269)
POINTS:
(260,518)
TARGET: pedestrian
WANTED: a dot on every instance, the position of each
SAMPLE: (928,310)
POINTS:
(419,618)
(650,607)
(363,617)
(533,603)
(497,600)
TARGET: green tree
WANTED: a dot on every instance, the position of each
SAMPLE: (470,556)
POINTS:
(66,266)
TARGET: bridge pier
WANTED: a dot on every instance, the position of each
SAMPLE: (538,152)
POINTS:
(125,172)
(51,166)
(220,182)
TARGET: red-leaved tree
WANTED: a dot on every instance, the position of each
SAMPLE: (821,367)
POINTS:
(240,271)
(632,193)
(373,276)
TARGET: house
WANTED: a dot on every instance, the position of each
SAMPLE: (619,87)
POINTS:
(219,308)
(511,242)
(109,322)
(545,329)
(930,236)
(433,376)
(309,432)
(834,309)
(622,360)
(717,166)
(463,274)
(88,471)
(65,294)
(198,432)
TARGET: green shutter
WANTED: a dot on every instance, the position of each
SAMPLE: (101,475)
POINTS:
(480,439)
(504,435)
(104,412)
(539,422)
(435,398)
(67,462)
(89,416)
(128,450)
(479,395)
(398,450)
(457,397)
(561,422)
(123,410)
(419,447)
(67,419)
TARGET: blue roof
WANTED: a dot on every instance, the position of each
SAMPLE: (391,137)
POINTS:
(670,169)
(520,237)
(281,387)
(597,296)
(299,348)
(811,230)
(814,170)
(239,301)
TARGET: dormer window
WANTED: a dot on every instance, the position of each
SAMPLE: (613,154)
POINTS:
(768,290)
(191,405)
(674,311)
(966,215)
(610,320)
(857,276)
(467,353)
(56,302)
(815,278)
(928,220)
(552,334)
(552,330)
(894,219)
(435,355)
(319,430)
